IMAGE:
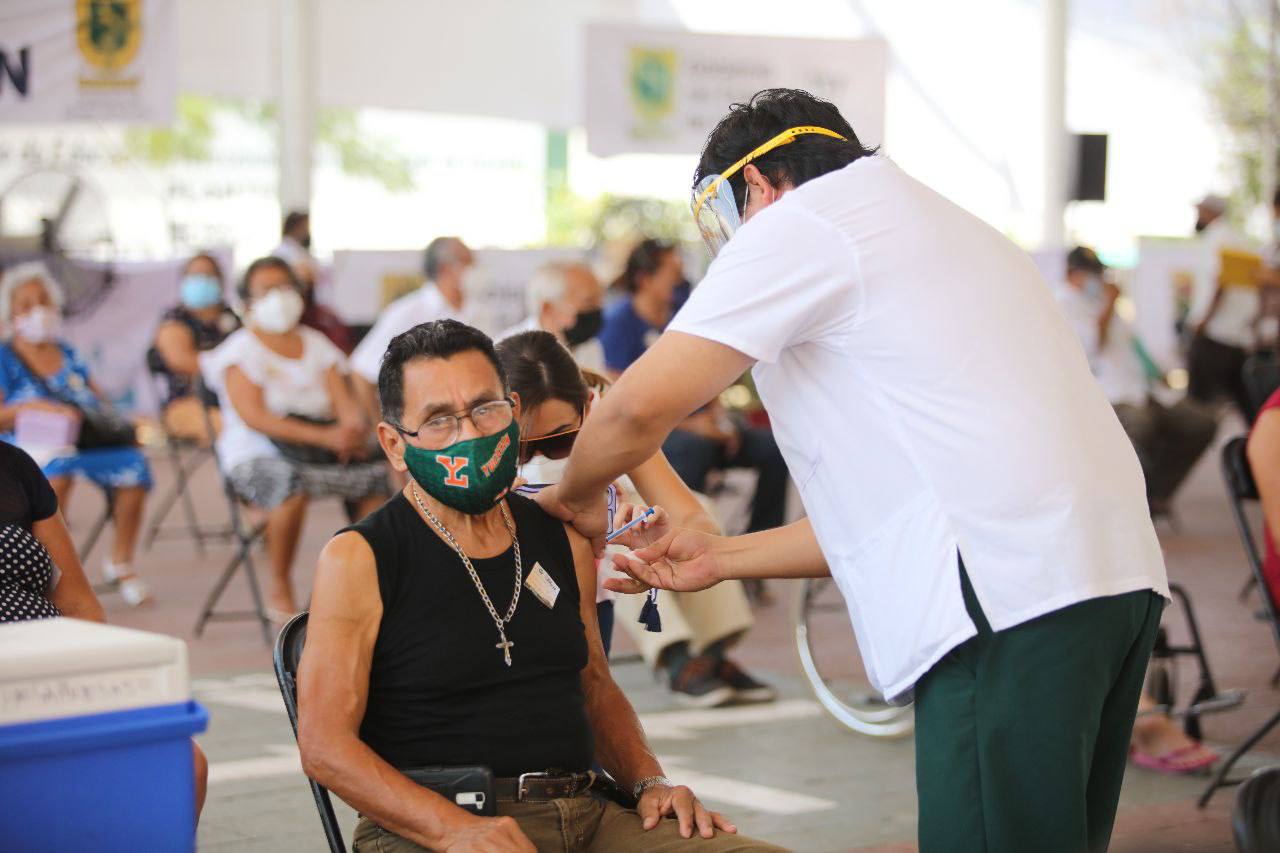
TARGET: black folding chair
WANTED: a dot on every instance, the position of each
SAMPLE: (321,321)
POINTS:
(185,457)
(1241,487)
(1261,374)
(1255,817)
(245,537)
(288,652)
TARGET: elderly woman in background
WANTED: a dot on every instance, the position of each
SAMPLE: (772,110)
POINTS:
(292,429)
(41,372)
(200,322)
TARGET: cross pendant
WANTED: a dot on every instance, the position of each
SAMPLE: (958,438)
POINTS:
(505,645)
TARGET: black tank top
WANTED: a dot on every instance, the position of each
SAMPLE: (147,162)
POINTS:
(439,692)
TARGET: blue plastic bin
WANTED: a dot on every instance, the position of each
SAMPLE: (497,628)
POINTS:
(101,782)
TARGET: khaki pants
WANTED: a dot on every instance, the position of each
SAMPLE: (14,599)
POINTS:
(697,618)
(583,824)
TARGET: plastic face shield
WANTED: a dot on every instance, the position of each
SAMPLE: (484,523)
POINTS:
(715,210)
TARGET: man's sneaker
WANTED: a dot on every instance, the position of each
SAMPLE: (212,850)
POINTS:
(697,686)
(745,688)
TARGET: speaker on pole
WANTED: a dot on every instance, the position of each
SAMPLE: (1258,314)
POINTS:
(1090,182)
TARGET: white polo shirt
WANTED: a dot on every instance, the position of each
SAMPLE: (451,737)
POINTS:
(423,305)
(1233,321)
(930,399)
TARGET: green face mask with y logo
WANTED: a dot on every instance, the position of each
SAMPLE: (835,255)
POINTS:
(469,476)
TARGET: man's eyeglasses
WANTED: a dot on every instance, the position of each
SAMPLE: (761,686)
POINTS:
(443,430)
(554,446)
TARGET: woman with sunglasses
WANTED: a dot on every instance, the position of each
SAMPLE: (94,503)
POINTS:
(697,630)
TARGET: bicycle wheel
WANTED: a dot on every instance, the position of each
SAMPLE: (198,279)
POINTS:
(828,656)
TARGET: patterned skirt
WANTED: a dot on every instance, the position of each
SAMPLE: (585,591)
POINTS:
(268,481)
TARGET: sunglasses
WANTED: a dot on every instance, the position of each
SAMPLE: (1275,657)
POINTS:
(554,446)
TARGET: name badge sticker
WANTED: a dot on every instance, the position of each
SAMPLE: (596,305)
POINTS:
(540,584)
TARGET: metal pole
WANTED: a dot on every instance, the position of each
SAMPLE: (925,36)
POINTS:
(296,106)
(1272,139)
(1055,123)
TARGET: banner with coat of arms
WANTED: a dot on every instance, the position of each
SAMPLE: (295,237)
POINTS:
(662,91)
(87,60)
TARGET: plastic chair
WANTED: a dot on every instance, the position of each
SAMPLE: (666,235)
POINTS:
(288,651)
(245,537)
(1241,488)
(1255,818)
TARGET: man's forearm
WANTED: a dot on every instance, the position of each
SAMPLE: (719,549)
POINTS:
(784,552)
(386,796)
(620,742)
(610,444)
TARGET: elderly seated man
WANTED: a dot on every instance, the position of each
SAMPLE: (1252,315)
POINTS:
(453,688)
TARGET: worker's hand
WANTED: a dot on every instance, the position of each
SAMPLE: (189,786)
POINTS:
(488,835)
(646,532)
(661,801)
(681,561)
(591,520)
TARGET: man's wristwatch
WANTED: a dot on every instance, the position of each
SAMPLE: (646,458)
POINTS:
(650,782)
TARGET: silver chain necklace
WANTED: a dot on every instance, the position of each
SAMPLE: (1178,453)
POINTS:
(499,621)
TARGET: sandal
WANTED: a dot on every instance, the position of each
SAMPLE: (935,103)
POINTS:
(133,589)
(1187,760)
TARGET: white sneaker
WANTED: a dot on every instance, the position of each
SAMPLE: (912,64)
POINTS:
(133,589)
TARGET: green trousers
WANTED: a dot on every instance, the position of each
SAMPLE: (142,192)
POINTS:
(1022,735)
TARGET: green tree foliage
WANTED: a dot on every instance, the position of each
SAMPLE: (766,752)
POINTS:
(575,221)
(190,139)
(1238,92)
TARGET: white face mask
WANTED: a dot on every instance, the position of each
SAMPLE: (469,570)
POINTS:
(39,325)
(278,311)
(475,281)
(540,469)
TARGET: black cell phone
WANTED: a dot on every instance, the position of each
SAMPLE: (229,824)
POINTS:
(470,788)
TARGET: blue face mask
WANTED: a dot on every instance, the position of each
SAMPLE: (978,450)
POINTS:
(201,291)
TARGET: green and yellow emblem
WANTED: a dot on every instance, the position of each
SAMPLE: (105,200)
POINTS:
(109,32)
(653,82)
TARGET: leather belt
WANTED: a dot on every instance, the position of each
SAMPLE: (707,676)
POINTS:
(541,787)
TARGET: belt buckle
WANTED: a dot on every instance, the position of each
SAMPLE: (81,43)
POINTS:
(520,789)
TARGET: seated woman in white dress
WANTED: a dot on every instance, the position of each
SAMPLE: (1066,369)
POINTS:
(292,430)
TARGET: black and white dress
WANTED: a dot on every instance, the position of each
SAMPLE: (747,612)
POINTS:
(27,574)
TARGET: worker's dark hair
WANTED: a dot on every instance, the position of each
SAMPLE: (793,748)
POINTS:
(268,262)
(768,113)
(292,220)
(437,339)
(1086,259)
(541,369)
(205,256)
(644,259)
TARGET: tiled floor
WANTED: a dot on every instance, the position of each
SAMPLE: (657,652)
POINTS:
(792,776)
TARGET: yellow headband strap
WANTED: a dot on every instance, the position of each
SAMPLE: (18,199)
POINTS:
(786,137)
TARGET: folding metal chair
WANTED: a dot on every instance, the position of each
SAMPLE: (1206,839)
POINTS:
(288,652)
(1261,375)
(1241,487)
(1255,817)
(245,537)
(185,457)
(95,533)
